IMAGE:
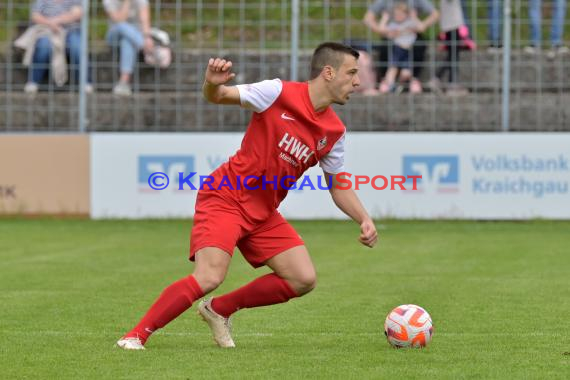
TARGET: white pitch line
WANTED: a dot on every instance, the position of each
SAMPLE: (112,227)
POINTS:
(262,334)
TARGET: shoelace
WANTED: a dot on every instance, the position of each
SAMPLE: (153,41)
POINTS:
(227,321)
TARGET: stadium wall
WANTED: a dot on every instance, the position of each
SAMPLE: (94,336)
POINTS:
(464,175)
(44,174)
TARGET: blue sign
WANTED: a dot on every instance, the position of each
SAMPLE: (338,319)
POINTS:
(170,165)
(438,172)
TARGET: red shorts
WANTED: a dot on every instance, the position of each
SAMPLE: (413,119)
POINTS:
(218,224)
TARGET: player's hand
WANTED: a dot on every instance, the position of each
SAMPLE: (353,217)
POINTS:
(368,234)
(219,71)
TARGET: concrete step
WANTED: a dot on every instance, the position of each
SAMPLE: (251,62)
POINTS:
(479,71)
(168,111)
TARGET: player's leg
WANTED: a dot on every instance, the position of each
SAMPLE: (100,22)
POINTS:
(273,238)
(210,270)
(296,268)
(277,245)
(293,276)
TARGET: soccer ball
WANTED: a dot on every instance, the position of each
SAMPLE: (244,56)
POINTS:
(408,326)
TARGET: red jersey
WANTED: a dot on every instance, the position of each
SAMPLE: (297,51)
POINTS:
(284,138)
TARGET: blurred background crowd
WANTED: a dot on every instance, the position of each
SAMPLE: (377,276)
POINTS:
(425,65)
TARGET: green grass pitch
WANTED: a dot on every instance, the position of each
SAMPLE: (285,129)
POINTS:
(498,293)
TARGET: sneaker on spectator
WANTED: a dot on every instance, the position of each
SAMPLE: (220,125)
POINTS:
(557,50)
(561,49)
(435,86)
(495,48)
(31,88)
(398,89)
(456,90)
(415,86)
(122,89)
(530,49)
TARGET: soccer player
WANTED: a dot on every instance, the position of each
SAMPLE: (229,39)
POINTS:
(292,128)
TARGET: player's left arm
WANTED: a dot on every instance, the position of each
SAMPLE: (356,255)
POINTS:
(347,201)
(218,74)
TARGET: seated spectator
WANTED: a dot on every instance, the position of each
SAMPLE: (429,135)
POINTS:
(400,30)
(130,32)
(419,7)
(455,35)
(556,30)
(54,36)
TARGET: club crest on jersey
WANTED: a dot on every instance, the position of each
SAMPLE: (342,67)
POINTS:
(322,143)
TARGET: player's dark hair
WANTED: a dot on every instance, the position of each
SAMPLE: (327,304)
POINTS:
(330,54)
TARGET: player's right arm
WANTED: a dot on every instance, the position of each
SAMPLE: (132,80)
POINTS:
(218,73)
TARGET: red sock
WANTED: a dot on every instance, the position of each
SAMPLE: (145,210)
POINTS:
(266,290)
(173,301)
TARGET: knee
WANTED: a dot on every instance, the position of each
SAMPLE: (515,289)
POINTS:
(304,282)
(405,75)
(114,33)
(209,281)
(121,27)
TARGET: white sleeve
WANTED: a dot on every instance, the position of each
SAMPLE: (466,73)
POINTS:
(333,162)
(259,96)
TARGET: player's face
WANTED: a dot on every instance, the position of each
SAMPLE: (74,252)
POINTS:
(345,80)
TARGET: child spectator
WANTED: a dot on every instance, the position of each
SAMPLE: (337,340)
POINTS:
(400,30)
(427,16)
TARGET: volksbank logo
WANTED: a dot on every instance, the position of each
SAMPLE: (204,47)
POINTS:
(440,174)
(170,166)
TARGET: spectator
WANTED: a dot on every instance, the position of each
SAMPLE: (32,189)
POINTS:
(54,35)
(495,20)
(455,35)
(400,30)
(419,7)
(466,12)
(366,73)
(129,31)
(556,31)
